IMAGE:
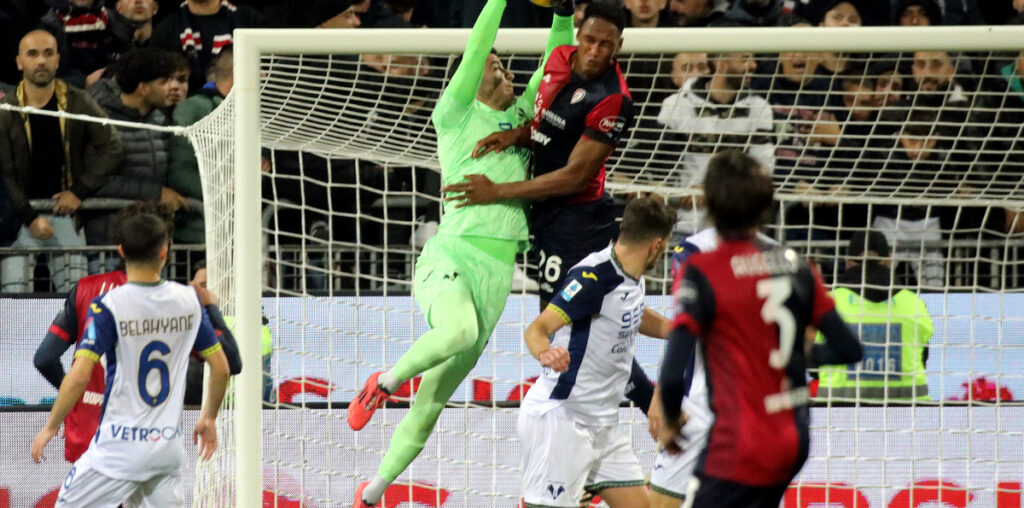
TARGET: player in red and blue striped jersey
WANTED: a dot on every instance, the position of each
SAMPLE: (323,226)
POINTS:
(748,307)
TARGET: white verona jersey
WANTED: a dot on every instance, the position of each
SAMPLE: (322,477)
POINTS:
(147,333)
(602,307)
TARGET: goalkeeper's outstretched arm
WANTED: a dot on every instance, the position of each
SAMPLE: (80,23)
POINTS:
(560,35)
(466,80)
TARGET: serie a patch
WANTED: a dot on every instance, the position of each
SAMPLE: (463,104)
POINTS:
(571,289)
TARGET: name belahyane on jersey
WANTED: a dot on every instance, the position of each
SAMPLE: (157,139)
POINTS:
(136,327)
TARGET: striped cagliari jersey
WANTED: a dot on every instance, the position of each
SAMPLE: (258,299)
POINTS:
(146,332)
(696,404)
(602,307)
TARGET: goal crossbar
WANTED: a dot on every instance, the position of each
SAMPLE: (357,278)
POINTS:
(640,40)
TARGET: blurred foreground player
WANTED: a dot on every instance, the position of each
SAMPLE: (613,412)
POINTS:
(464,274)
(145,330)
(749,308)
(673,468)
(569,421)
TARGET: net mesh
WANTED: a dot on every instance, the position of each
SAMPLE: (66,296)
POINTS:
(214,479)
(895,141)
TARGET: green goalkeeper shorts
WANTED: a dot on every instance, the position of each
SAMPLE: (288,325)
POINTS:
(450,263)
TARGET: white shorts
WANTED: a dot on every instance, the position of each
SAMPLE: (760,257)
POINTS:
(85,487)
(671,473)
(562,458)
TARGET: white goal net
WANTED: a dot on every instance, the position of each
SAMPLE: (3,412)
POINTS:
(322,183)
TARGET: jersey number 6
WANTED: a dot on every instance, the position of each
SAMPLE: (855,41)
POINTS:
(146,364)
(775,292)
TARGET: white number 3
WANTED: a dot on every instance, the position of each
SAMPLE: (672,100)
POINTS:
(775,292)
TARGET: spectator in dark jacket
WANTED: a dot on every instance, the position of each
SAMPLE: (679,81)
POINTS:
(133,22)
(15,20)
(695,13)
(869,12)
(183,169)
(181,74)
(760,12)
(933,13)
(42,157)
(201,29)
(333,14)
(917,13)
(648,14)
(85,38)
(996,127)
(141,89)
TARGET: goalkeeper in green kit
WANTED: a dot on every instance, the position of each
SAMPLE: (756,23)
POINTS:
(464,274)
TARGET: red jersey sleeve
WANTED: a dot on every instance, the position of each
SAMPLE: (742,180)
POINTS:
(610,120)
(65,325)
(694,300)
(823,302)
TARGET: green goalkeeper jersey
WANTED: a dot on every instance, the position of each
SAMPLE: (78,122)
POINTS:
(461,121)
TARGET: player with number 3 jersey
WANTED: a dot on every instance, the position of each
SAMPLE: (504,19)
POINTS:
(672,470)
(749,308)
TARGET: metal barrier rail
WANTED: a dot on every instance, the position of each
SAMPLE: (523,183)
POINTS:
(322,268)
(180,261)
(112,204)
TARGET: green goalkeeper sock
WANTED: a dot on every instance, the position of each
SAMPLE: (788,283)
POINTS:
(454,329)
(437,386)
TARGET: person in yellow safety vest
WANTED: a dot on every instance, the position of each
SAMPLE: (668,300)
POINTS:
(267,352)
(894,329)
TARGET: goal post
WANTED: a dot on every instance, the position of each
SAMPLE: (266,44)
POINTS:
(248,254)
(301,132)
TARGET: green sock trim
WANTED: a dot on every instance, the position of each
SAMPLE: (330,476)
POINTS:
(669,493)
(597,487)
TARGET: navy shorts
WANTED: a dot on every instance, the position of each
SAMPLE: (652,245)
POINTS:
(564,235)
(717,493)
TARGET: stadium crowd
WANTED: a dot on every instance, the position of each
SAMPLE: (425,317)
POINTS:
(923,122)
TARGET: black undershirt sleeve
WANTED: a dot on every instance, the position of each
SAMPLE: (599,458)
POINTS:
(639,389)
(47,358)
(841,345)
(675,382)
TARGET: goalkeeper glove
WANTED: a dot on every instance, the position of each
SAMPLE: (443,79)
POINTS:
(565,8)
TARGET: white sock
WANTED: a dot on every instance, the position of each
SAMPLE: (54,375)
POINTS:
(375,490)
(388,381)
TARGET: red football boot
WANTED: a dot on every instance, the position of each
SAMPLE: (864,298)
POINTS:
(371,397)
